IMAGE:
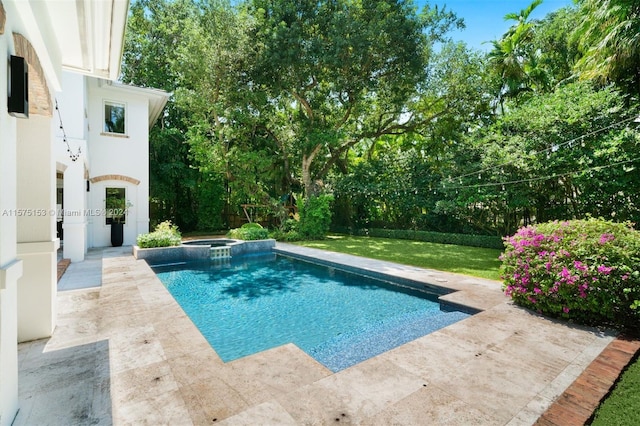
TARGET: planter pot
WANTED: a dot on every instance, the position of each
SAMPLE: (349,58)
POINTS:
(117,234)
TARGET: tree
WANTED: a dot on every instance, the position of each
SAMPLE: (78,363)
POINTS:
(513,58)
(153,28)
(561,155)
(558,49)
(608,33)
(192,49)
(338,73)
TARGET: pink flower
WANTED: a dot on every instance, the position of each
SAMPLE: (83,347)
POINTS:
(579,265)
(567,277)
(565,310)
(605,238)
(625,277)
(605,270)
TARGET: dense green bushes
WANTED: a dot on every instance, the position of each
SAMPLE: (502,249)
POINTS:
(485,241)
(165,235)
(315,217)
(583,270)
(249,231)
(313,223)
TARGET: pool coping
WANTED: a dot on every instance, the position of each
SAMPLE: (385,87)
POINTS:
(149,363)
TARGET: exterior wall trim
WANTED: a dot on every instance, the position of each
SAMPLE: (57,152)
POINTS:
(114,177)
(39,95)
(3,18)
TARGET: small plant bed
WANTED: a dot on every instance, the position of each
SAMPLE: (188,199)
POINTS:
(165,235)
(249,232)
(475,261)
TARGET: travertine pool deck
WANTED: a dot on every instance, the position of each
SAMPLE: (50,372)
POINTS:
(124,352)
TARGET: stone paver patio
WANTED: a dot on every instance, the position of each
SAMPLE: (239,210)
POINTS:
(124,352)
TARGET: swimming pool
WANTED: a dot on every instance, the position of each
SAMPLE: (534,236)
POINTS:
(257,302)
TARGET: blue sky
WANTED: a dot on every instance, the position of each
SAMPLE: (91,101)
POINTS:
(484,19)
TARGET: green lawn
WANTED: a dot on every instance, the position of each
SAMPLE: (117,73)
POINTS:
(622,407)
(479,262)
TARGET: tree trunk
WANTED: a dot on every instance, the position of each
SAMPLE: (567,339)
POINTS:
(307,180)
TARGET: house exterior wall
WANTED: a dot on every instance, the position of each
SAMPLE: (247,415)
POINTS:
(24,249)
(118,161)
(73,114)
(107,161)
(29,161)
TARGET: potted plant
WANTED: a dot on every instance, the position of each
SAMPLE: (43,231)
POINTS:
(117,232)
(116,215)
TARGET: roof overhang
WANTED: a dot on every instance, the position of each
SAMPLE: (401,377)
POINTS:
(84,36)
(90,34)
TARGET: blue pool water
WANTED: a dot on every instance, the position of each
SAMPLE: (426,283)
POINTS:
(255,303)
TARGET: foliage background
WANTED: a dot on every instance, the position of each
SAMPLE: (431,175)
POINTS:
(371,103)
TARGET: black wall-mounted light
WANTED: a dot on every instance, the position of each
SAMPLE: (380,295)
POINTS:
(88,185)
(18,100)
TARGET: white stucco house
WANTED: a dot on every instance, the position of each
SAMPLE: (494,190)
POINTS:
(71,53)
(108,124)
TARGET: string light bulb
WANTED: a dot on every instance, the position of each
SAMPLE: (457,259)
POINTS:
(72,156)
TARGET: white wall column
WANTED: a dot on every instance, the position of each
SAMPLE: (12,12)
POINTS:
(36,231)
(75,218)
(10,266)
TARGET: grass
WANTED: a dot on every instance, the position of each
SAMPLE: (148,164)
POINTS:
(478,262)
(622,406)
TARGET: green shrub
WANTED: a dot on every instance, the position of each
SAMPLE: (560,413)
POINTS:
(286,236)
(165,235)
(315,217)
(587,271)
(470,240)
(249,232)
(288,231)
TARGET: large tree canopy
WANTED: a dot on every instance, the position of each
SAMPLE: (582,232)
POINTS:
(340,72)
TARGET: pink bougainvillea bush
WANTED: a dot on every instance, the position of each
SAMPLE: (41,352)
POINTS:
(587,271)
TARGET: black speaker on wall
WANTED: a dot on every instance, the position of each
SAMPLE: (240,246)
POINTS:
(18,102)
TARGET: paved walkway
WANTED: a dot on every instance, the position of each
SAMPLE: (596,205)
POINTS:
(124,352)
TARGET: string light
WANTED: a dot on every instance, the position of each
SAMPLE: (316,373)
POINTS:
(72,156)
(553,148)
(554,176)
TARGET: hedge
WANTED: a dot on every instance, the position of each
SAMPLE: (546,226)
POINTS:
(486,241)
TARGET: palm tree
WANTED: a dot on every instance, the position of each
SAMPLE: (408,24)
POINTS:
(514,57)
(608,33)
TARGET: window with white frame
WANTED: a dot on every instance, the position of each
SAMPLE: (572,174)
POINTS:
(114,118)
